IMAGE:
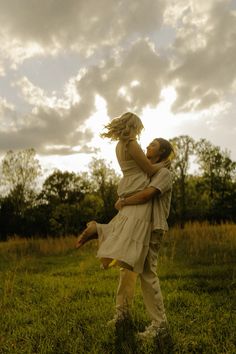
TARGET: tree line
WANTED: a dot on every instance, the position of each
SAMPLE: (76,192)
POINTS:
(67,200)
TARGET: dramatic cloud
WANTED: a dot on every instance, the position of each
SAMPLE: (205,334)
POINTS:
(53,125)
(205,55)
(125,52)
(130,81)
(57,119)
(85,26)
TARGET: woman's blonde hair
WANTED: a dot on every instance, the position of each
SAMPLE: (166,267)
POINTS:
(127,126)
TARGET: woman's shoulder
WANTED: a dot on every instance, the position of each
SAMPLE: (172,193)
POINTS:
(132,142)
(125,141)
(124,147)
(132,145)
(125,144)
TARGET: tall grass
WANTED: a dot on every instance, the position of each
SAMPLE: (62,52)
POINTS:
(20,247)
(56,300)
(202,243)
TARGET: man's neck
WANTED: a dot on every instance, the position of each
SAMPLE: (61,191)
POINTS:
(153,160)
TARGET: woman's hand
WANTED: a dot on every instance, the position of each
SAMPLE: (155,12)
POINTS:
(165,164)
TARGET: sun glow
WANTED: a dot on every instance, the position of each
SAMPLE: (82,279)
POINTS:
(106,149)
(158,122)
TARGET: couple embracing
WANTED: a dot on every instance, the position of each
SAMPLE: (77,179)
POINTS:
(132,239)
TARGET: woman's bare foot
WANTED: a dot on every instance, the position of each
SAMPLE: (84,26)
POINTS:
(108,263)
(90,233)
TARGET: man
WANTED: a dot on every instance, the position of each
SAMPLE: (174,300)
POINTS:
(159,190)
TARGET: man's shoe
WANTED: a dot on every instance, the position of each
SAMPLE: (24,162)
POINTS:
(112,322)
(115,321)
(153,331)
(121,319)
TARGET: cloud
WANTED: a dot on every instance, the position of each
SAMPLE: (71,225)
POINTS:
(119,58)
(44,140)
(38,27)
(2,70)
(55,123)
(204,43)
(7,115)
(43,127)
(203,68)
(52,122)
(38,97)
(128,74)
(130,81)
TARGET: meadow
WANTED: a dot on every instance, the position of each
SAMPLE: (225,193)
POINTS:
(55,299)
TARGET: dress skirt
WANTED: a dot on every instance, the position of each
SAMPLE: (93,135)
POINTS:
(125,239)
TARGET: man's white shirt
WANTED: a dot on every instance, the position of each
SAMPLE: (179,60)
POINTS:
(162,181)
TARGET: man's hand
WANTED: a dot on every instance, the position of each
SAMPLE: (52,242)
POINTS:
(164,163)
(118,204)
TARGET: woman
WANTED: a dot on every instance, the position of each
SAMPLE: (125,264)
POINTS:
(124,241)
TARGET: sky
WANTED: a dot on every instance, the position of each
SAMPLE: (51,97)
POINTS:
(68,67)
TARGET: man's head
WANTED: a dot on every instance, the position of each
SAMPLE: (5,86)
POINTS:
(158,150)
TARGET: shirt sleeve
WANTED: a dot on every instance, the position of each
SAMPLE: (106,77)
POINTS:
(162,180)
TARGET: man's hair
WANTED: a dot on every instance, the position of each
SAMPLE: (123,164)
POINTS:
(166,148)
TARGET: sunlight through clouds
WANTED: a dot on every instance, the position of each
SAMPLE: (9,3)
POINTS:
(105,147)
(68,68)
(159,121)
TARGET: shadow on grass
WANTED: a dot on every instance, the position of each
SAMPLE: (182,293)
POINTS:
(163,344)
(127,342)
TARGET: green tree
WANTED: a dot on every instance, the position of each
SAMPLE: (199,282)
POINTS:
(105,182)
(218,172)
(65,187)
(69,219)
(20,171)
(63,194)
(216,166)
(184,149)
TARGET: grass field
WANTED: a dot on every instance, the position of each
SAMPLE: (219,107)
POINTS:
(55,299)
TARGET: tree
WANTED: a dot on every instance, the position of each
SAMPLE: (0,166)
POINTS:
(19,173)
(216,165)
(68,219)
(184,148)
(62,196)
(218,172)
(65,187)
(20,170)
(105,182)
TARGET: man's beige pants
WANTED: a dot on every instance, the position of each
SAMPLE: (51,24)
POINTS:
(150,285)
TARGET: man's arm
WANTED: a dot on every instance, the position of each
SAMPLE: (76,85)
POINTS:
(138,198)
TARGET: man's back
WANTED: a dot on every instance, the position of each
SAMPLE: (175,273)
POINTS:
(162,181)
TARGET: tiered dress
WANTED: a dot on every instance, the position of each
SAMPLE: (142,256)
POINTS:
(126,237)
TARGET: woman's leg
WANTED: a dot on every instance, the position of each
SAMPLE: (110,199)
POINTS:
(90,233)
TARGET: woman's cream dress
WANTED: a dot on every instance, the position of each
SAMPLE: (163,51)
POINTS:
(126,237)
